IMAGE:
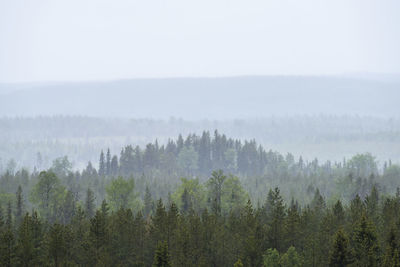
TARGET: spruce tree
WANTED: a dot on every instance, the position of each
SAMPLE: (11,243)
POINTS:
(108,163)
(89,203)
(366,247)
(391,258)
(161,257)
(102,165)
(341,254)
(19,205)
(148,203)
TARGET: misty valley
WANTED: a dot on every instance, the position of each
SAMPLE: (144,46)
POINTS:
(212,133)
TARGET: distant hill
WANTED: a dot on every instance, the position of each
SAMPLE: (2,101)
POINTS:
(206,98)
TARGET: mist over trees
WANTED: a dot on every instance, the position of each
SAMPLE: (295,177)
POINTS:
(37,141)
(257,208)
(201,198)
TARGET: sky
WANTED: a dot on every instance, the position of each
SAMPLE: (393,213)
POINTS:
(76,40)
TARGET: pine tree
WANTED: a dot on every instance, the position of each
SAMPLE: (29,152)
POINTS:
(271,258)
(161,257)
(25,245)
(108,163)
(7,241)
(341,254)
(58,246)
(366,247)
(99,237)
(275,209)
(89,204)
(148,203)
(19,207)
(391,258)
(292,229)
(186,202)
(102,165)
(114,166)
(291,258)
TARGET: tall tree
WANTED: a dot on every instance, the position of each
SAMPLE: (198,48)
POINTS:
(161,257)
(102,164)
(90,207)
(108,163)
(19,205)
(215,185)
(366,247)
(341,253)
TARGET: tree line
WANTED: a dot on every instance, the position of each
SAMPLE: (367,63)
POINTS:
(229,231)
(154,205)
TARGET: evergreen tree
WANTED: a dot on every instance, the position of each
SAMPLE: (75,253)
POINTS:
(275,209)
(291,258)
(19,205)
(7,241)
(114,166)
(392,255)
(271,258)
(102,165)
(90,204)
(238,263)
(148,203)
(161,257)
(341,254)
(108,163)
(58,245)
(366,247)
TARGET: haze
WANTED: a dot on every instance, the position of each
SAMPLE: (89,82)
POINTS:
(104,40)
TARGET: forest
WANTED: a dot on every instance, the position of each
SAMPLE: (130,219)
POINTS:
(200,133)
(201,200)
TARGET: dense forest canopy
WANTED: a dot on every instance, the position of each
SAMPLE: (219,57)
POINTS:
(163,205)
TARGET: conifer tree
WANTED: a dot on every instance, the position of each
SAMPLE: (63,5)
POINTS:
(89,203)
(341,254)
(392,255)
(102,165)
(291,258)
(108,163)
(366,247)
(161,257)
(19,205)
(238,263)
(148,203)
(7,241)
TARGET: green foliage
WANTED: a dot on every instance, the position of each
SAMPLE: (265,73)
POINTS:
(238,263)
(120,194)
(190,194)
(48,194)
(341,254)
(271,258)
(291,259)
(366,247)
(188,159)
(161,257)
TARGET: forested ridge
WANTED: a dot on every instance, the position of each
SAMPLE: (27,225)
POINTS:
(205,200)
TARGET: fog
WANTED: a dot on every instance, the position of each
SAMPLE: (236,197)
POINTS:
(207,98)
(199,133)
(108,40)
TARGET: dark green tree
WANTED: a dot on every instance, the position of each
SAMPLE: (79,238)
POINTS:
(161,256)
(341,253)
(90,207)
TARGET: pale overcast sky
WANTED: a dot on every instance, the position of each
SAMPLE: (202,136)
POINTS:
(70,40)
